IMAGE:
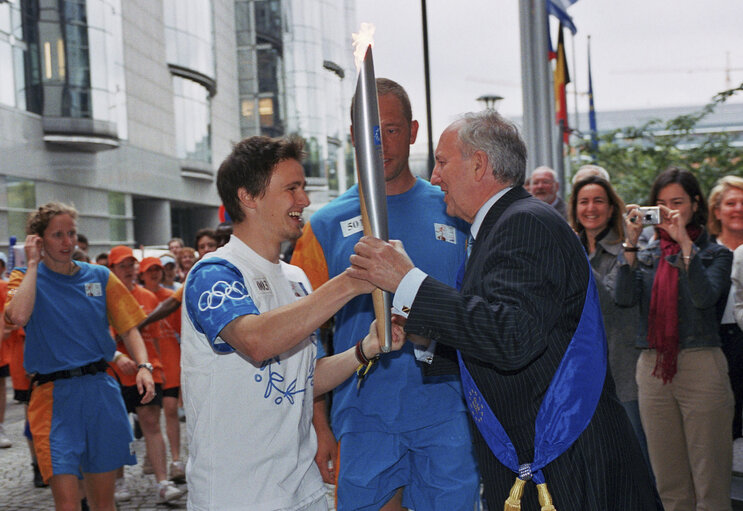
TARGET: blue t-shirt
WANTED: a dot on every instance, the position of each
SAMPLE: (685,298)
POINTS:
(69,326)
(395,396)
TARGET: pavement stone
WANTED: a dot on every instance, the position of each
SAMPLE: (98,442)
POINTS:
(17,491)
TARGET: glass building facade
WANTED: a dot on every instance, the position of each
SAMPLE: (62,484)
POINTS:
(259,31)
(114,105)
(189,43)
(14,35)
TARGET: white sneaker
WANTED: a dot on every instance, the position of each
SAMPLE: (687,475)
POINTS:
(167,491)
(4,440)
(121,491)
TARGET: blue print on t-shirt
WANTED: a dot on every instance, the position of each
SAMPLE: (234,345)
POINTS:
(215,295)
(275,382)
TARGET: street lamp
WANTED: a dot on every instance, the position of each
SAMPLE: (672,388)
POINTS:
(490,100)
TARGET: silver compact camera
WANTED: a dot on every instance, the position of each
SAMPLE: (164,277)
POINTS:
(650,215)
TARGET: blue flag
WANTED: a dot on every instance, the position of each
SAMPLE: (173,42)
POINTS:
(559,9)
(591,110)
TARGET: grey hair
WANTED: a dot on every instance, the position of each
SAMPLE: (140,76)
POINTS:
(546,169)
(499,138)
(590,170)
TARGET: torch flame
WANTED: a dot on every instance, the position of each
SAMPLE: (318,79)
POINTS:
(361,42)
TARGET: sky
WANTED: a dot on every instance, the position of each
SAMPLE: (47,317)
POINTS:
(644,53)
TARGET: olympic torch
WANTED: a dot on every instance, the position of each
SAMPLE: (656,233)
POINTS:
(370,168)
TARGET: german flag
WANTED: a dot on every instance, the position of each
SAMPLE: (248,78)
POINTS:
(561,79)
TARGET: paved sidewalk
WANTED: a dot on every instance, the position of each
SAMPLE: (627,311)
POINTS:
(17,492)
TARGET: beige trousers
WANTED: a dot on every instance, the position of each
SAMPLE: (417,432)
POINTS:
(688,425)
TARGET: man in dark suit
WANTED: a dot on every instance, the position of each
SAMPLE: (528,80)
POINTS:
(522,298)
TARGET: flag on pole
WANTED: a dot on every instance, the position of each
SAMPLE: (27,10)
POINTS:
(559,9)
(561,79)
(591,110)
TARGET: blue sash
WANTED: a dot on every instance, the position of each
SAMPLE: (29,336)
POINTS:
(568,405)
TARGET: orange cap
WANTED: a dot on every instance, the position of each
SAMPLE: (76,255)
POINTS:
(119,253)
(149,262)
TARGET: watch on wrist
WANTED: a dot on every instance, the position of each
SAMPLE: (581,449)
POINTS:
(145,365)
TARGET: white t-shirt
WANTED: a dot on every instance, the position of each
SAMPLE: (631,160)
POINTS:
(249,424)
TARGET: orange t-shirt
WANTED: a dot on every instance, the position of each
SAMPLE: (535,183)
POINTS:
(5,353)
(11,348)
(150,334)
(170,347)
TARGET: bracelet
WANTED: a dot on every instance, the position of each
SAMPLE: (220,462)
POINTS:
(688,258)
(361,356)
(630,248)
(365,364)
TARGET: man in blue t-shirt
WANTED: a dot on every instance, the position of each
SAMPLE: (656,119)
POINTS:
(404,438)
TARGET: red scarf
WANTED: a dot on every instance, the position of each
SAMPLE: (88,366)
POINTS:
(663,324)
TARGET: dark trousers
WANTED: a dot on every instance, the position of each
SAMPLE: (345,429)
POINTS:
(732,347)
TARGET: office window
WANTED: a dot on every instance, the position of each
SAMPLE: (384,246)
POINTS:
(21,202)
(189,34)
(192,120)
(13,49)
(117,217)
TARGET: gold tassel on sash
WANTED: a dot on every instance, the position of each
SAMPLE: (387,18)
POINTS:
(513,502)
(545,499)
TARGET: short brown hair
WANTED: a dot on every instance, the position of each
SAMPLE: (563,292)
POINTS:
(39,220)
(250,165)
(386,86)
(206,231)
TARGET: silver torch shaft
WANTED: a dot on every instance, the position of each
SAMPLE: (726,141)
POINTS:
(370,172)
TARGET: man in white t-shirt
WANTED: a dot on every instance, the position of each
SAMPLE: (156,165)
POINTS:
(248,344)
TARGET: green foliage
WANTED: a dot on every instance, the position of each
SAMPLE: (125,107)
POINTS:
(634,156)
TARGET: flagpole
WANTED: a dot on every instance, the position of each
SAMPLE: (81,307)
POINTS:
(591,110)
(535,80)
(575,91)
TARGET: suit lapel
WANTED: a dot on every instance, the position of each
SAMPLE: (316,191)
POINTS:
(496,211)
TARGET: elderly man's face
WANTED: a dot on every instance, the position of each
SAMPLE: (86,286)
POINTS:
(452,175)
(543,186)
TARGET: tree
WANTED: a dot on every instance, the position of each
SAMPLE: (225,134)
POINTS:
(634,156)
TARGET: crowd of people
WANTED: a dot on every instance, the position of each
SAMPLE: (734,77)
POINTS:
(668,287)
(592,347)
(139,374)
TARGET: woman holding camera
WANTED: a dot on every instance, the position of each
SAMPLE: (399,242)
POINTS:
(686,403)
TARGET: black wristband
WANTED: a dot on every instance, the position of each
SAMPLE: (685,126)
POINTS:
(630,248)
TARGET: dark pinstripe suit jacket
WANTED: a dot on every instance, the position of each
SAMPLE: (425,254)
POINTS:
(520,304)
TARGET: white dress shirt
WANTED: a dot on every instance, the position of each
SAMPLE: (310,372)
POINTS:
(410,284)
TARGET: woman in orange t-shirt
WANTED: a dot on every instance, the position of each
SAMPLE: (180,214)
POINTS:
(151,274)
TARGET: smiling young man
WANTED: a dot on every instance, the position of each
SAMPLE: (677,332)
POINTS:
(404,438)
(249,348)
